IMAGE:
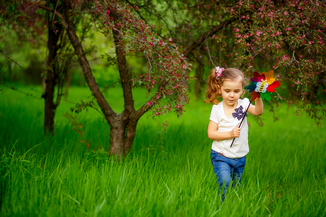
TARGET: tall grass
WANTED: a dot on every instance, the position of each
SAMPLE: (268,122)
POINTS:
(168,173)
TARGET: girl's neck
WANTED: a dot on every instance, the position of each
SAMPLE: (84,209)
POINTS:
(230,107)
(228,110)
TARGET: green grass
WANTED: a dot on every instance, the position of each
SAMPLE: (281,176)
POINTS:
(166,174)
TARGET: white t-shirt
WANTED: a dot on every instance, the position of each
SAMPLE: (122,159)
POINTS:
(240,145)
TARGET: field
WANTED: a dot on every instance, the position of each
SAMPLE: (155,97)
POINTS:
(167,173)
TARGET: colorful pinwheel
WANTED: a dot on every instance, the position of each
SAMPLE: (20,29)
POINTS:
(262,85)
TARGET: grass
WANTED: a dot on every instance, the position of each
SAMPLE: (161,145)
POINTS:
(166,174)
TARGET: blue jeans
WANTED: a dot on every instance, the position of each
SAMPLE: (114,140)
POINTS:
(227,169)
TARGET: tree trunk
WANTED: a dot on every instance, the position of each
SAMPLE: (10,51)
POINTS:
(51,76)
(68,83)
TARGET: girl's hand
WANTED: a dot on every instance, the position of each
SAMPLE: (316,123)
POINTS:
(235,133)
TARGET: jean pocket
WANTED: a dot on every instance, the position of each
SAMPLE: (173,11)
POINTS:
(243,160)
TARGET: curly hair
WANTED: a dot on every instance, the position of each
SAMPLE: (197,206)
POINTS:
(214,84)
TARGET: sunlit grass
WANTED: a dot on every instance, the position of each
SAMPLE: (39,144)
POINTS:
(167,173)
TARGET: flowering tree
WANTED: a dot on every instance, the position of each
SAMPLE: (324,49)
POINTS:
(130,35)
(287,36)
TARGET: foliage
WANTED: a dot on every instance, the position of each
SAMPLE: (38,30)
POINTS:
(286,36)
(167,66)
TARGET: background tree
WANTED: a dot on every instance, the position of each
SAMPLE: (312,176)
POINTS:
(31,24)
(287,36)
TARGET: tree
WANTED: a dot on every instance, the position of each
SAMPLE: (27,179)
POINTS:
(130,35)
(31,24)
(287,36)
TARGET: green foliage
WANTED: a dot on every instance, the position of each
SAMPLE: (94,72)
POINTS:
(167,173)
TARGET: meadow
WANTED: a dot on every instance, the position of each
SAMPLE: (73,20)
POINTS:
(167,173)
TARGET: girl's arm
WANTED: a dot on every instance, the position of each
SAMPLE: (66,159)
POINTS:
(214,135)
(258,108)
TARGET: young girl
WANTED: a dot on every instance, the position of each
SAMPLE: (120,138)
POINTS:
(228,162)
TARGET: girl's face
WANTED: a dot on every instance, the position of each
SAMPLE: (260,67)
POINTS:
(231,91)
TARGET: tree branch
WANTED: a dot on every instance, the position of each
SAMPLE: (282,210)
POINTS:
(123,70)
(203,37)
(147,106)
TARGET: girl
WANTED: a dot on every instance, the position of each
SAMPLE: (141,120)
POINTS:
(228,162)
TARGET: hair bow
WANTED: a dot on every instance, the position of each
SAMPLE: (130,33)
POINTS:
(218,71)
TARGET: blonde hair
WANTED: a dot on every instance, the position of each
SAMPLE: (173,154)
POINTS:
(214,84)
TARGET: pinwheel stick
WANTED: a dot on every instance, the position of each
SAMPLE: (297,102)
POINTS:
(244,115)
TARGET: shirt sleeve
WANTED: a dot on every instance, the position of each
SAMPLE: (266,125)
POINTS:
(214,115)
(246,103)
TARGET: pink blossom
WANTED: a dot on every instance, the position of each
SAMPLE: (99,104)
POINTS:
(108,12)
(170,39)
(149,103)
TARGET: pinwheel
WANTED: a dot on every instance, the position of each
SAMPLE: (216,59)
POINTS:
(261,86)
